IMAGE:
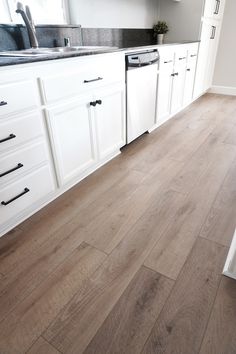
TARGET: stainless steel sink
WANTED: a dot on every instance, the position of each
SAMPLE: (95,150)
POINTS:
(52,51)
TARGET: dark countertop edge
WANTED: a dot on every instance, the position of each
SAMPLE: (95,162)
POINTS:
(12,61)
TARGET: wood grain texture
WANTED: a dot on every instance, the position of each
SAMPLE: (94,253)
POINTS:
(88,309)
(170,253)
(129,324)
(41,346)
(221,220)
(220,335)
(181,325)
(33,315)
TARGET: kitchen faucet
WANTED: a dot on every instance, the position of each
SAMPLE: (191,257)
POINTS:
(26,15)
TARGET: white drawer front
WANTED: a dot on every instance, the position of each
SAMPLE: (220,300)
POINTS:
(87,75)
(181,55)
(18,97)
(21,161)
(20,130)
(167,57)
(26,192)
(192,53)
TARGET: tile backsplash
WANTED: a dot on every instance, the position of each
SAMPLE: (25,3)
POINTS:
(14,37)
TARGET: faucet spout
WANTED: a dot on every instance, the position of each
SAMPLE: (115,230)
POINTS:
(27,18)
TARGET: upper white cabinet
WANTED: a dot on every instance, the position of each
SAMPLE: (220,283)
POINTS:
(214,9)
(207,56)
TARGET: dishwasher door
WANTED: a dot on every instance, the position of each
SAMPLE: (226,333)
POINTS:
(141,100)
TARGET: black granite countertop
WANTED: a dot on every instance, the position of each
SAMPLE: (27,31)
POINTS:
(6,61)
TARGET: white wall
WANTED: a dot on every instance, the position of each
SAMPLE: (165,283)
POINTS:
(183,18)
(114,13)
(225,69)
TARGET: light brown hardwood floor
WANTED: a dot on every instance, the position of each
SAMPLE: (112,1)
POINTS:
(129,261)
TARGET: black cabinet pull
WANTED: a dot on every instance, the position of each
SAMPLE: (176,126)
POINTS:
(26,190)
(20,165)
(176,74)
(213,32)
(188,69)
(217,8)
(11,136)
(193,55)
(3,103)
(94,103)
(182,58)
(168,61)
(172,74)
(99,102)
(93,80)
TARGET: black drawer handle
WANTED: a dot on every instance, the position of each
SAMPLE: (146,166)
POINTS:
(172,74)
(188,69)
(3,103)
(93,103)
(26,190)
(176,74)
(193,55)
(182,58)
(99,102)
(93,80)
(20,165)
(168,61)
(11,136)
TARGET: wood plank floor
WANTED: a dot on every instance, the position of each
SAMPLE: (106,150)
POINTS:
(130,260)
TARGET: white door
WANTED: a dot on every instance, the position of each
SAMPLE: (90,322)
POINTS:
(202,63)
(214,9)
(189,84)
(178,88)
(164,92)
(110,119)
(72,136)
(141,100)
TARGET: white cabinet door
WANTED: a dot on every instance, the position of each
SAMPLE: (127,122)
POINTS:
(214,9)
(206,57)
(165,83)
(110,119)
(72,135)
(189,84)
(178,89)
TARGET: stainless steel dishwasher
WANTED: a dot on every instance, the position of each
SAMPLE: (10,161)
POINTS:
(141,80)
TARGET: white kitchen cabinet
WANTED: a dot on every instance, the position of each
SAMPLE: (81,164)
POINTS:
(164,93)
(110,119)
(214,9)
(71,129)
(206,56)
(189,84)
(178,88)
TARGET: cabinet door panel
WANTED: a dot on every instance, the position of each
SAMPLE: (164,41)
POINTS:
(164,94)
(178,89)
(72,136)
(110,119)
(189,84)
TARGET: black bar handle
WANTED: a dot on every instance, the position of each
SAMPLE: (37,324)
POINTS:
(26,190)
(99,102)
(172,74)
(20,165)
(213,32)
(93,103)
(193,55)
(176,74)
(11,136)
(3,103)
(168,61)
(217,8)
(182,58)
(93,80)
(188,69)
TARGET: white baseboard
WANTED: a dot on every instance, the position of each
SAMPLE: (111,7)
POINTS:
(230,265)
(223,90)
